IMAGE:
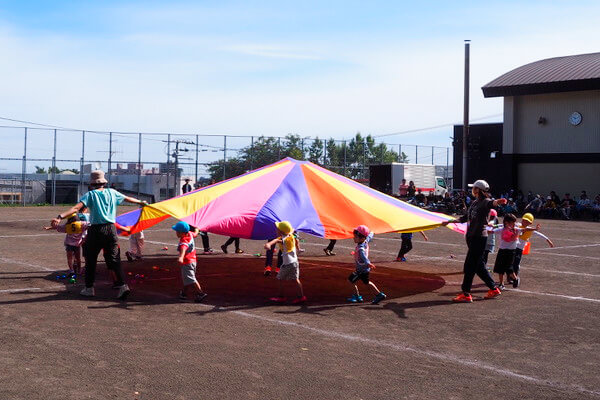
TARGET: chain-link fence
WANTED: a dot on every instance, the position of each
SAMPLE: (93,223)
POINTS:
(46,165)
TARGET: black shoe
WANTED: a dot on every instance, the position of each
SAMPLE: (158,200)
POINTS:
(129,257)
(200,297)
(182,295)
(224,248)
(516,282)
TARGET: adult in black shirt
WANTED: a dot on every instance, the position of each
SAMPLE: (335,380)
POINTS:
(477,219)
(186,187)
(411,190)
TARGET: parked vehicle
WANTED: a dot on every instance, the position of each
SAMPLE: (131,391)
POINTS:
(387,178)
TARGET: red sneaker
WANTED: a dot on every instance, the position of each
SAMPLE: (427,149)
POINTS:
(463,298)
(299,300)
(493,293)
(267,271)
(278,299)
(277,270)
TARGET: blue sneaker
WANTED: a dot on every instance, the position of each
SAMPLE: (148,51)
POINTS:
(378,297)
(355,299)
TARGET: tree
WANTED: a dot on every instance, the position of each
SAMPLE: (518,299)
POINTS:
(40,170)
(315,151)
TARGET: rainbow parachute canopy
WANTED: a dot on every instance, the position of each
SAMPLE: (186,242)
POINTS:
(313,199)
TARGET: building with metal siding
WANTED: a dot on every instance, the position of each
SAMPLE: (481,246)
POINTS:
(551,130)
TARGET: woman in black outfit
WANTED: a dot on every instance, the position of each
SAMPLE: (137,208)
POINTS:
(477,219)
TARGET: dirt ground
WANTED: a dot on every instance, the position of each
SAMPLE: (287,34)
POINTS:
(540,341)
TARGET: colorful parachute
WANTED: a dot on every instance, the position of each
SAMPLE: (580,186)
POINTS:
(313,199)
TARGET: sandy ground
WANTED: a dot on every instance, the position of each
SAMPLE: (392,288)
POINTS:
(539,341)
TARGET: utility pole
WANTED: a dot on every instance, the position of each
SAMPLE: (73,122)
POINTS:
(177,156)
(465,137)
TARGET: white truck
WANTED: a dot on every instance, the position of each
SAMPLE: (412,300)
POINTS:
(387,178)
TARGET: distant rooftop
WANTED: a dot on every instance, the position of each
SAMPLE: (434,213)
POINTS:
(560,74)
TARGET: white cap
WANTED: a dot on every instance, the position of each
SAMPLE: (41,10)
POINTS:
(480,184)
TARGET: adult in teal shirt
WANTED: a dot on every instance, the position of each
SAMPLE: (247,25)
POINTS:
(102,204)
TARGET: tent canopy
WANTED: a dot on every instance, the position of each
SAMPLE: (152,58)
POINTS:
(313,199)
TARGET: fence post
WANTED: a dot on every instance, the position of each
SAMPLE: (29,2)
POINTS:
(325,152)
(139,165)
(364,173)
(54,172)
(168,165)
(81,161)
(24,169)
(344,158)
(109,156)
(416,154)
(279,148)
(447,165)
(432,155)
(224,155)
(399,153)
(251,152)
(196,161)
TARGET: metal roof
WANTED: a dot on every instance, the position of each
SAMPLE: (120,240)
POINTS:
(560,74)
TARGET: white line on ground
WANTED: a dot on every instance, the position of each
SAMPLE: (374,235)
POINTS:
(26,220)
(26,264)
(17,236)
(425,353)
(556,295)
(402,348)
(19,290)
(553,271)
(569,247)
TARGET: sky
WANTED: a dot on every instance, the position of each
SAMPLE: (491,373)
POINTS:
(313,68)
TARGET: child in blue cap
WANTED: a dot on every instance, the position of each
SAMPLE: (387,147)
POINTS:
(187,259)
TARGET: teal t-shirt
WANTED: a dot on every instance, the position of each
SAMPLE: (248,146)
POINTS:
(102,205)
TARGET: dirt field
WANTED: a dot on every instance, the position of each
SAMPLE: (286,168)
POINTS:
(540,341)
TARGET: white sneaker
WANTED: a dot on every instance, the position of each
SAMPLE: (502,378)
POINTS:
(123,292)
(88,292)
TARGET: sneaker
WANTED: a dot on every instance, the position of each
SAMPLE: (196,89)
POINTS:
(224,248)
(501,287)
(510,280)
(463,298)
(493,293)
(182,295)
(331,253)
(199,297)
(327,252)
(278,299)
(355,298)
(209,251)
(129,256)
(88,292)
(123,292)
(267,271)
(378,297)
(516,282)
(277,269)
(239,251)
(400,259)
(299,300)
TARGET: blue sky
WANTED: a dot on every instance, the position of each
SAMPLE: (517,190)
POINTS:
(315,68)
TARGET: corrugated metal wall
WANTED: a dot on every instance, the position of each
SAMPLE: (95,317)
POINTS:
(572,178)
(556,135)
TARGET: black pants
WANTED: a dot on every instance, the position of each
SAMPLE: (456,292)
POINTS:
(232,240)
(269,259)
(517,261)
(102,237)
(486,254)
(405,247)
(331,245)
(205,244)
(474,264)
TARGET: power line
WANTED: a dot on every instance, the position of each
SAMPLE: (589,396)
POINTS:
(433,127)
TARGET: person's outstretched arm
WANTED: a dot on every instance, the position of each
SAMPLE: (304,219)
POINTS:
(76,208)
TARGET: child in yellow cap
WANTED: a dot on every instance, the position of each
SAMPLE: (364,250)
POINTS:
(75,234)
(526,221)
(290,269)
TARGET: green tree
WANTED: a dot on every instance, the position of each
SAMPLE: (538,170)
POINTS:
(40,170)
(315,151)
